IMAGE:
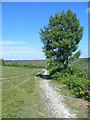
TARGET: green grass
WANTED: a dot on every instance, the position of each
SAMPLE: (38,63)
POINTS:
(20,93)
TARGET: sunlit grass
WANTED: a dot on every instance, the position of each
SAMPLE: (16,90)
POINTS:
(20,93)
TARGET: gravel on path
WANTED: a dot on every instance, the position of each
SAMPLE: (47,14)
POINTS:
(59,109)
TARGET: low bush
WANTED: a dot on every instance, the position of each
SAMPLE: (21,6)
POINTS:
(76,80)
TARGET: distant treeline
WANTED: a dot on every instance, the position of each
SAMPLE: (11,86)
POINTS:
(27,66)
(25,63)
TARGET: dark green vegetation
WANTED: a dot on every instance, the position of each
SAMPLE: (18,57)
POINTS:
(20,93)
(61,37)
(77,79)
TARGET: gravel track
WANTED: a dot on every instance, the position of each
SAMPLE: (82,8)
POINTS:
(58,108)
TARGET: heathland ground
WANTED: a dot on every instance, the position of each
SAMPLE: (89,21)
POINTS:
(27,93)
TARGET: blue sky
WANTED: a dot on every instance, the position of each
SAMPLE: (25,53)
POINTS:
(21,23)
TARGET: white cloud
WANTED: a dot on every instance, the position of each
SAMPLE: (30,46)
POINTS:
(11,42)
(22,52)
(15,50)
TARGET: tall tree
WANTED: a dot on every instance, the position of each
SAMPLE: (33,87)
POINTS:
(61,37)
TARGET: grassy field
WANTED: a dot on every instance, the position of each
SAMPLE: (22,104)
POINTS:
(20,93)
(21,90)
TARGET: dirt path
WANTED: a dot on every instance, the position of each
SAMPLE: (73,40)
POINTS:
(54,100)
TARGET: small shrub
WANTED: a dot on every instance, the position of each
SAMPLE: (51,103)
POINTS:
(76,81)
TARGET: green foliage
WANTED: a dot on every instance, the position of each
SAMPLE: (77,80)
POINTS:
(61,37)
(76,80)
(53,66)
